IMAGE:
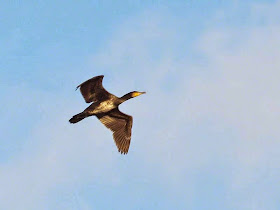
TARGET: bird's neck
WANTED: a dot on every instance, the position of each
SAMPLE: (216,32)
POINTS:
(125,97)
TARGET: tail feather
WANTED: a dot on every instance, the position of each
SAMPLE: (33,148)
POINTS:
(78,117)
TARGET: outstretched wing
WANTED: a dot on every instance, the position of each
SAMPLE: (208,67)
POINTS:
(93,90)
(120,124)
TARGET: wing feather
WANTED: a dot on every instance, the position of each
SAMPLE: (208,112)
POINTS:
(120,124)
(92,90)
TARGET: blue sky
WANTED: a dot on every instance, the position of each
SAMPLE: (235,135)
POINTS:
(205,136)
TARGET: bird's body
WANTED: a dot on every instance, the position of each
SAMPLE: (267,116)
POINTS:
(105,108)
(101,107)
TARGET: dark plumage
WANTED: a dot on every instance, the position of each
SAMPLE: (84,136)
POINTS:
(105,108)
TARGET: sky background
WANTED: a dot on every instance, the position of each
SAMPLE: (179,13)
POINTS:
(205,136)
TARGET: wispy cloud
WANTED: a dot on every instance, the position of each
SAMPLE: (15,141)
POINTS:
(233,98)
(207,123)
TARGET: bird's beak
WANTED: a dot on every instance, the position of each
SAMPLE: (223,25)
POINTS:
(140,93)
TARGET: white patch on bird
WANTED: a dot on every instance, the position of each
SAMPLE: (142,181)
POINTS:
(105,106)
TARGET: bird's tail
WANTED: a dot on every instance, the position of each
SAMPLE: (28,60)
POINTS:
(78,117)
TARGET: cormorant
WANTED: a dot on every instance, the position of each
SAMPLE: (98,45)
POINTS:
(105,108)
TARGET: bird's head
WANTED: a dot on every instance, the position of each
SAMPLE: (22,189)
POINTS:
(136,93)
(130,95)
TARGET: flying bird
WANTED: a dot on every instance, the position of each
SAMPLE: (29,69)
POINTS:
(105,106)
